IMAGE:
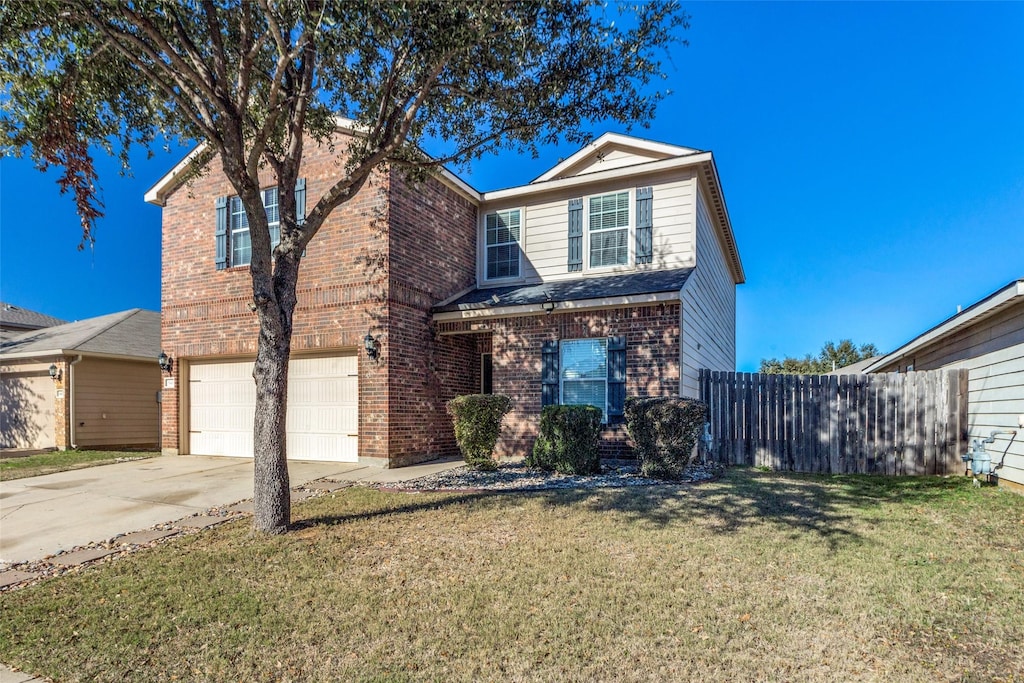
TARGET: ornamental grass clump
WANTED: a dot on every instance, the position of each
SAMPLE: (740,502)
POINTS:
(568,440)
(477,419)
(664,431)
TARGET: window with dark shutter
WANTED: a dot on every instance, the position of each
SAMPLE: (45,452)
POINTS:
(575,235)
(616,379)
(221,234)
(644,225)
(549,374)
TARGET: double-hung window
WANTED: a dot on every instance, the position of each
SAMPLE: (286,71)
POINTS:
(609,230)
(503,229)
(584,373)
(241,240)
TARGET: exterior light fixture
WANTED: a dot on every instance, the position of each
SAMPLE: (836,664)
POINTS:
(54,372)
(371,345)
(165,361)
(548,306)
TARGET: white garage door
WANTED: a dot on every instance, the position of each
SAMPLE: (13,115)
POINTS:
(323,409)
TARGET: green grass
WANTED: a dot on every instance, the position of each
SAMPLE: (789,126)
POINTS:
(59,461)
(759,576)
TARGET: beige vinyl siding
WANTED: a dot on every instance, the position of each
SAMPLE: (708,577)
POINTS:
(545,218)
(115,403)
(995,400)
(27,397)
(992,350)
(708,310)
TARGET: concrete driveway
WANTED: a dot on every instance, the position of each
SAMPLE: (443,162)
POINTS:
(41,515)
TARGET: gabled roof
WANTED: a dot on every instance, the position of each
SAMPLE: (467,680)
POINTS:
(1011,294)
(590,292)
(128,334)
(652,158)
(177,176)
(12,316)
(595,151)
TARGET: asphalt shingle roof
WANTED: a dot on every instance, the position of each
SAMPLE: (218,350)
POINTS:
(633,284)
(22,318)
(128,333)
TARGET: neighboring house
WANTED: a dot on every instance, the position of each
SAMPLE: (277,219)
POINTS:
(987,339)
(612,274)
(88,384)
(15,320)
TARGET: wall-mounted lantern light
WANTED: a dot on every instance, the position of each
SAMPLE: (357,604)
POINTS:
(165,361)
(54,372)
(372,346)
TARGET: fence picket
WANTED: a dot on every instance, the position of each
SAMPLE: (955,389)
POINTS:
(896,423)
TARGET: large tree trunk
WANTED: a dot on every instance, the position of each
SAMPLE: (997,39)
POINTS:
(271,486)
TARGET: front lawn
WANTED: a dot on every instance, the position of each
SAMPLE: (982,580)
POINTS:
(59,461)
(757,576)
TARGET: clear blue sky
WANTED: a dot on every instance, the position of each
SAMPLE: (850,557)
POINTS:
(872,157)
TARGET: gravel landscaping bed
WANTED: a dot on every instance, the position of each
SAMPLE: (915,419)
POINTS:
(516,476)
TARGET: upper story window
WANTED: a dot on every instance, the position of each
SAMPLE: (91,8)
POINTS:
(503,229)
(241,240)
(609,230)
(232,236)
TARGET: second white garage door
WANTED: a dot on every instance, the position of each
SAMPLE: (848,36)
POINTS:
(323,409)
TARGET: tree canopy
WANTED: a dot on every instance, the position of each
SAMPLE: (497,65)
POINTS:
(254,80)
(831,357)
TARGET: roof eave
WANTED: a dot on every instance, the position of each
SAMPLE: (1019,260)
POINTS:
(477,313)
(174,178)
(976,312)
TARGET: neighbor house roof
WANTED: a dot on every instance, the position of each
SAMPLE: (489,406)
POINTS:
(857,368)
(579,293)
(128,334)
(15,317)
(1011,294)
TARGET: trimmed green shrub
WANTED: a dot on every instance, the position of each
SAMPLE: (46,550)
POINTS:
(568,440)
(477,419)
(664,430)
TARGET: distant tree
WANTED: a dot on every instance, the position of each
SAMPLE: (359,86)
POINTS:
(831,357)
(256,80)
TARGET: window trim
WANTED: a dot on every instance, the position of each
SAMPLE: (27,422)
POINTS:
(520,244)
(561,371)
(630,229)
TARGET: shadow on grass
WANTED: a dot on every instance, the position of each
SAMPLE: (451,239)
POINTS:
(824,506)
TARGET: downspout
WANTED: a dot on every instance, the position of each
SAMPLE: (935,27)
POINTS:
(71,397)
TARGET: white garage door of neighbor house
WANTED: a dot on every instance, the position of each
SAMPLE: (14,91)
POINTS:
(323,409)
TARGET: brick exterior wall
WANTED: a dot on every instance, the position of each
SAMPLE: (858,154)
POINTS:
(377,265)
(652,362)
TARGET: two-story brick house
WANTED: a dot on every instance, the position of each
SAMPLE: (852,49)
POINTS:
(612,274)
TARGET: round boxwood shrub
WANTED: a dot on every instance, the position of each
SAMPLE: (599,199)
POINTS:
(664,430)
(568,440)
(477,419)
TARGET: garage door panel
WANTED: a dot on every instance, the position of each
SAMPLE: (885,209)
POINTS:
(322,421)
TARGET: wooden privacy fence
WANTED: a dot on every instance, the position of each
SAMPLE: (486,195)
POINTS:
(893,423)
